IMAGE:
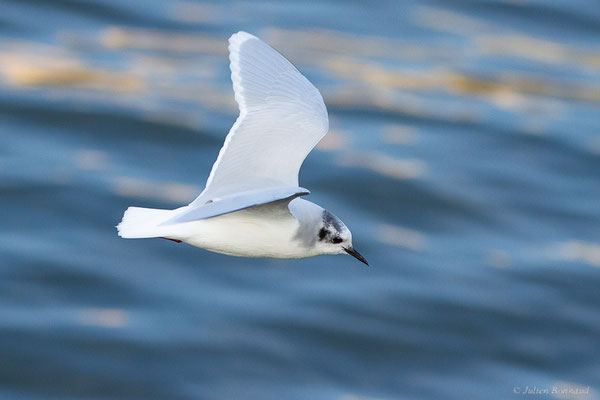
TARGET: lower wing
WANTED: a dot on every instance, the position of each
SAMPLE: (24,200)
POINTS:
(235,202)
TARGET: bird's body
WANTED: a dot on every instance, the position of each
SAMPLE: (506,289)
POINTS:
(261,231)
(251,206)
(275,230)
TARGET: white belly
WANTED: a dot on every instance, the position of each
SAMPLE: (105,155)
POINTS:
(245,233)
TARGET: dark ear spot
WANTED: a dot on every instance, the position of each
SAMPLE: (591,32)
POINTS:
(322,233)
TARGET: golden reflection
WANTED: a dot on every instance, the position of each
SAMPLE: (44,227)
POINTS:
(158,74)
(506,88)
(316,46)
(31,65)
(385,165)
(160,40)
(520,45)
(489,38)
(174,192)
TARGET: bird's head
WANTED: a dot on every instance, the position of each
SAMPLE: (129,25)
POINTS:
(333,237)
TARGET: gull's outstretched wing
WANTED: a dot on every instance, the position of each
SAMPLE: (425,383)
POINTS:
(282,117)
(236,202)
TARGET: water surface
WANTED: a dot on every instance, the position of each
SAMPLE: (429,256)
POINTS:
(464,154)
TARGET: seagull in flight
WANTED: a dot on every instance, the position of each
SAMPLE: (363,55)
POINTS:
(251,205)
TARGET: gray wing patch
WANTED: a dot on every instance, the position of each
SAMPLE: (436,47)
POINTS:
(236,202)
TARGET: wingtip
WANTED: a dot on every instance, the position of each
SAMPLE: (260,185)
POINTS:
(303,191)
(240,37)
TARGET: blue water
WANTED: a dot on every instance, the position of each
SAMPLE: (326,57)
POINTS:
(464,155)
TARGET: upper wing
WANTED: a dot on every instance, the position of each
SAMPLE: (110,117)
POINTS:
(282,117)
(235,202)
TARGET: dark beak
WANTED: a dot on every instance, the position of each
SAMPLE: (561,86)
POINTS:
(355,254)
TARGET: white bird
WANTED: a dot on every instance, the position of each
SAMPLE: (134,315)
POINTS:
(250,206)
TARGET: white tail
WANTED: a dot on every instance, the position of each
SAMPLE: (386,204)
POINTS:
(143,223)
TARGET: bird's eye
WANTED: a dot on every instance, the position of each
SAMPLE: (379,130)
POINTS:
(322,233)
(337,240)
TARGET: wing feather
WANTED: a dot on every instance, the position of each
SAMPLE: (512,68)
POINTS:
(235,202)
(282,117)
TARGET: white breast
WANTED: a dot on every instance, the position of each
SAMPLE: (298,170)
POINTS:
(262,231)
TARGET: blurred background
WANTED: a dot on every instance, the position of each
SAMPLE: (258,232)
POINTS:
(464,154)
